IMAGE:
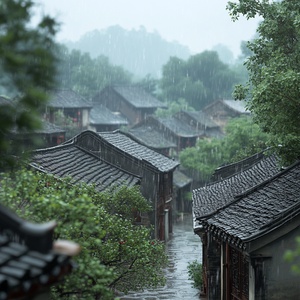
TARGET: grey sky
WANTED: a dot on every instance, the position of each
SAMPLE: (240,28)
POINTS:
(198,24)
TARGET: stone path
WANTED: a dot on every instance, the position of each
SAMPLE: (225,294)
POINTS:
(184,247)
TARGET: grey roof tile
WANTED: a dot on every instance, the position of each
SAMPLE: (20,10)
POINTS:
(202,118)
(49,128)
(138,97)
(67,99)
(151,137)
(100,115)
(179,127)
(70,160)
(210,198)
(127,145)
(180,179)
(260,209)
(238,106)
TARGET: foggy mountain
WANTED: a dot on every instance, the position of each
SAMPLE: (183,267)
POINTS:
(138,51)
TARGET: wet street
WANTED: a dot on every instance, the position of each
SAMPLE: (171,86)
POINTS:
(183,247)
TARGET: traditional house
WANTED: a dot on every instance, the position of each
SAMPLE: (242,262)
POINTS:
(214,198)
(221,111)
(182,193)
(131,101)
(102,119)
(246,222)
(50,134)
(71,104)
(82,166)
(30,261)
(253,234)
(148,135)
(154,169)
(201,122)
(46,136)
(176,131)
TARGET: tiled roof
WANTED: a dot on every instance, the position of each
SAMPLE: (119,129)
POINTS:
(208,199)
(30,261)
(127,145)
(264,207)
(201,118)
(138,97)
(180,179)
(151,137)
(100,115)
(70,160)
(238,106)
(49,128)
(67,99)
(179,127)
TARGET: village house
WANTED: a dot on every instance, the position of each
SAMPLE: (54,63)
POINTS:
(132,102)
(102,119)
(46,136)
(31,262)
(201,122)
(221,111)
(70,160)
(182,202)
(112,159)
(246,221)
(173,130)
(146,134)
(71,104)
(154,169)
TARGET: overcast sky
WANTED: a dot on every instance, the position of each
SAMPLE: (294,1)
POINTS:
(198,24)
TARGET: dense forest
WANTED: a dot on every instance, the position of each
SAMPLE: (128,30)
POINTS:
(138,51)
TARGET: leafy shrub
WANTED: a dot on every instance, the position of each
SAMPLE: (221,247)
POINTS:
(195,273)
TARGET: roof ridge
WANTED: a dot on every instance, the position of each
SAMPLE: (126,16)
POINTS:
(266,181)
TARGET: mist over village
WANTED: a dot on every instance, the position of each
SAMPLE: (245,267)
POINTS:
(150,150)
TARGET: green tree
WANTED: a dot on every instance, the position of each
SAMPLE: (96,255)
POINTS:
(27,65)
(243,138)
(115,254)
(274,72)
(87,76)
(199,80)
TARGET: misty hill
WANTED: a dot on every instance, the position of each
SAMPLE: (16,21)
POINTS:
(138,51)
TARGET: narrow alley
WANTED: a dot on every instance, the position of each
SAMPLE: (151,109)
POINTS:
(183,247)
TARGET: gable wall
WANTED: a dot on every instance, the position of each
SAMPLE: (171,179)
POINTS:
(113,101)
(153,182)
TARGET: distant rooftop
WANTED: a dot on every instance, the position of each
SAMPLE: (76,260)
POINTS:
(202,118)
(67,98)
(138,97)
(178,127)
(151,137)
(100,115)
(180,179)
(127,145)
(236,105)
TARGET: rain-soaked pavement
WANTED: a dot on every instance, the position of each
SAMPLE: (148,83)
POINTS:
(183,247)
